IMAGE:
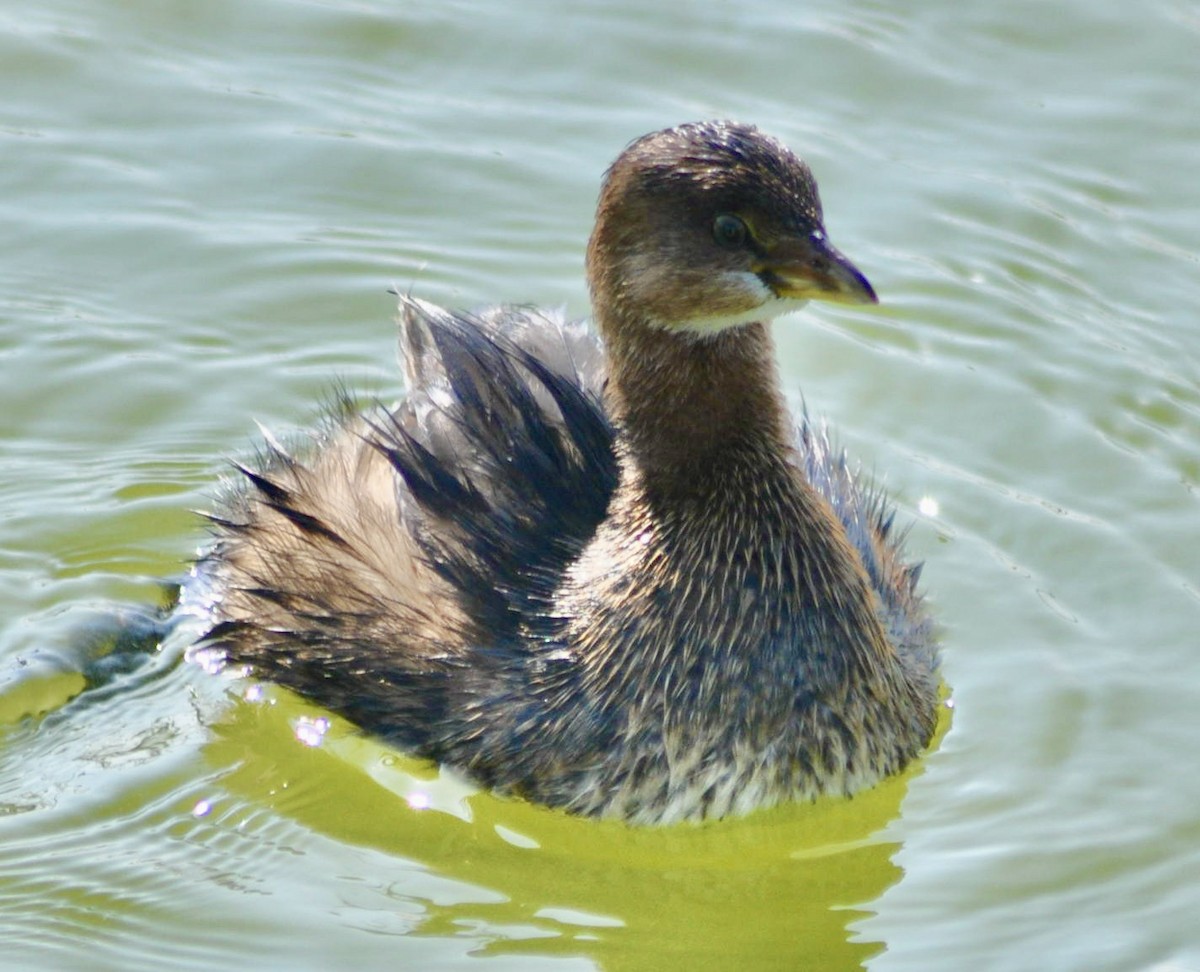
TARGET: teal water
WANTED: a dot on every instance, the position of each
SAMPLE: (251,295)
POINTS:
(203,207)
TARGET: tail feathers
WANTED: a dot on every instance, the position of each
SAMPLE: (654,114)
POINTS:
(509,460)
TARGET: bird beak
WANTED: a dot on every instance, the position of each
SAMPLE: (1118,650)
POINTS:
(811,268)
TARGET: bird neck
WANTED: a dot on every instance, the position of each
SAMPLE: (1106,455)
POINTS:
(724,519)
(689,408)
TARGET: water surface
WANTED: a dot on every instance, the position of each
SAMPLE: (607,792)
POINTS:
(203,208)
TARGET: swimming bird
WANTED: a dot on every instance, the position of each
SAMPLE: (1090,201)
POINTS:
(602,570)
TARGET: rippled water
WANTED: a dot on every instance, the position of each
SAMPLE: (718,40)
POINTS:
(203,207)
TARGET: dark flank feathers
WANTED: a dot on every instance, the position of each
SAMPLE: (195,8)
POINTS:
(504,465)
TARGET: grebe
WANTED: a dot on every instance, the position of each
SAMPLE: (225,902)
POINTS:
(611,575)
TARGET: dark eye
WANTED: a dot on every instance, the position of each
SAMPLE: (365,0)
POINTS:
(729,231)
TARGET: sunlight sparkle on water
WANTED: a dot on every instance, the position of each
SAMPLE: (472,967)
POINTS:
(311,731)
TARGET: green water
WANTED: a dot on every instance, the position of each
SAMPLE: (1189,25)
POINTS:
(202,207)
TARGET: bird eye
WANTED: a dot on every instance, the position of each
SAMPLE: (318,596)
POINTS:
(729,230)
